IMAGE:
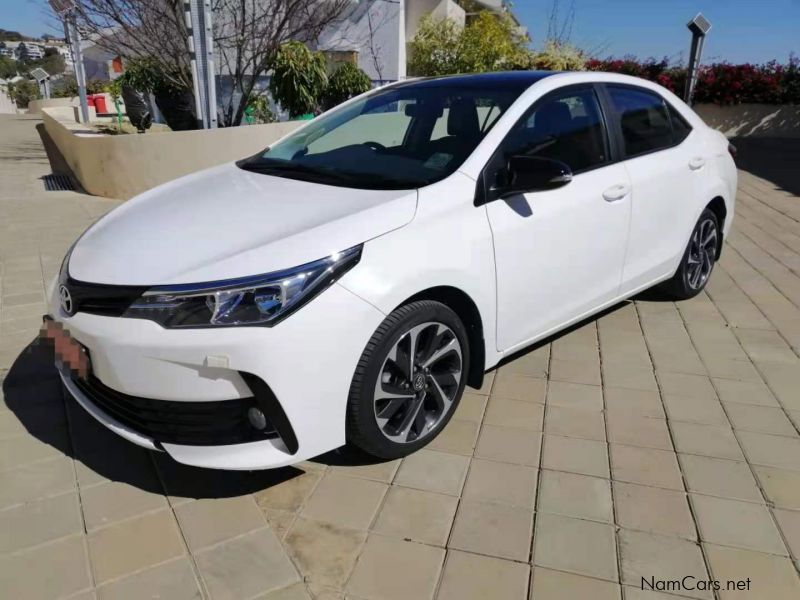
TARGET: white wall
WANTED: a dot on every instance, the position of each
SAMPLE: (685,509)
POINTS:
(440,9)
(373,28)
(7,105)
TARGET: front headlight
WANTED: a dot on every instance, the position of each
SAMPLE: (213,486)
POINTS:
(260,300)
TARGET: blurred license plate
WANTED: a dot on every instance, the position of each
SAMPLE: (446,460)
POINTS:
(70,354)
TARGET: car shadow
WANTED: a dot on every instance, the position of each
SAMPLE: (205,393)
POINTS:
(347,456)
(559,334)
(773,159)
(32,391)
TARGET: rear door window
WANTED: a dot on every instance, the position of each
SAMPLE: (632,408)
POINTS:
(680,128)
(644,120)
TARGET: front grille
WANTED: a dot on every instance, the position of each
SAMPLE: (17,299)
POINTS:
(101,299)
(214,423)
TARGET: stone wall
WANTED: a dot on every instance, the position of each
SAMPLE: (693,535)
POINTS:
(35,106)
(122,166)
(753,120)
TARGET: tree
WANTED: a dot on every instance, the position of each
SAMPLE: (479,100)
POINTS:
(435,49)
(488,42)
(298,78)
(148,75)
(346,81)
(66,87)
(53,63)
(155,29)
(247,35)
(8,67)
(23,92)
(559,56)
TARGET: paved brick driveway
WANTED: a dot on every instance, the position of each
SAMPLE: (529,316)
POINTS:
(659,440)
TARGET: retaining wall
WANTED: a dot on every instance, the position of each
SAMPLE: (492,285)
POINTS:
(122,166)
(35,106)
(753,120)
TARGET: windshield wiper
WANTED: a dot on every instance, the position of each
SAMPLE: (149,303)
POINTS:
(323,175)
(288,169)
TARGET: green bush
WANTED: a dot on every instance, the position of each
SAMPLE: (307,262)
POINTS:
(559,56)
(260,110)
(23,92)
(298,78)
(346,81)
(489,42)
(8,67)
(66,87)
(147,74)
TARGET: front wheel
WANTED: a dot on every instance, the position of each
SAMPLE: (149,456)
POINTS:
(698,259)
(409,380)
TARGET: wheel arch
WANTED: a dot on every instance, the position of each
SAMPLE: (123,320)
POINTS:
(720,210)
(464,306)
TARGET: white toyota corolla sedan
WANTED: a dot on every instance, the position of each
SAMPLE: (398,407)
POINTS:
(347,283)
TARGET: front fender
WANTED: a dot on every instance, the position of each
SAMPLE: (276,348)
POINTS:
(447,244)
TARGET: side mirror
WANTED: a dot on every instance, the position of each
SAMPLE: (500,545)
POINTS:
(531,174)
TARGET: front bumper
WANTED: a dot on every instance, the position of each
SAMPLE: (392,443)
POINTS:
(306,361)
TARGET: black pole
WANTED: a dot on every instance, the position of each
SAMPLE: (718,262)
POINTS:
(699,26)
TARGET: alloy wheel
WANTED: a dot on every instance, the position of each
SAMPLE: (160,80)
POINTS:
(702,254)
(418,382)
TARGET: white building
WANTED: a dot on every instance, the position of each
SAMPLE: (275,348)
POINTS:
(29,51)
(378,31)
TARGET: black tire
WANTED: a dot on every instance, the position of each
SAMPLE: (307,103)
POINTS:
(392,336)
(701,253)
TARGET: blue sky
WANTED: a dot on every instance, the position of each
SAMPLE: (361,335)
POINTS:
(743,30)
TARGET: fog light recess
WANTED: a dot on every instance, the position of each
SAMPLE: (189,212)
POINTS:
(257,419)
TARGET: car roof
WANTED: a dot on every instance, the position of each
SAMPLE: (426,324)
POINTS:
(499,79)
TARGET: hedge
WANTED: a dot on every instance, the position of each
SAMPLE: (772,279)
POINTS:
(718,83)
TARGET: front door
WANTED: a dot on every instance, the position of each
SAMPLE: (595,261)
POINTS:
(559,253)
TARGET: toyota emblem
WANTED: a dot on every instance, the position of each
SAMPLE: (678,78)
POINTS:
(66,300)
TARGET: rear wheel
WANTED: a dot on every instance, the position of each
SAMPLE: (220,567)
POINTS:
(409,380)
(698,260)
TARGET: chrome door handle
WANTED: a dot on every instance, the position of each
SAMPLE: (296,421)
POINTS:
(697,163)
(616,192)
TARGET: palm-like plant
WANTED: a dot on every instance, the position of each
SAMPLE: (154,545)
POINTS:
(346,81)
(298,78)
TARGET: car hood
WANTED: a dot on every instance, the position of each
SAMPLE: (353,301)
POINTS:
(226,222)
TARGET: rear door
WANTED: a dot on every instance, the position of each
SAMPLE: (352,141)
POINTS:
(664,168)
(559,253)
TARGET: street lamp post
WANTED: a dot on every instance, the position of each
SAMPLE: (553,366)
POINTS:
(201,49)
(65,9)
(699,26)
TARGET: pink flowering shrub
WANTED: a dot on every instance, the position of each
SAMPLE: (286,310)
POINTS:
(718,83)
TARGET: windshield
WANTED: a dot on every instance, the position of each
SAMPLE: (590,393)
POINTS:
(398,138)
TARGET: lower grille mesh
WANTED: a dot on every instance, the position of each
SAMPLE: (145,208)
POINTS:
(213,423)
